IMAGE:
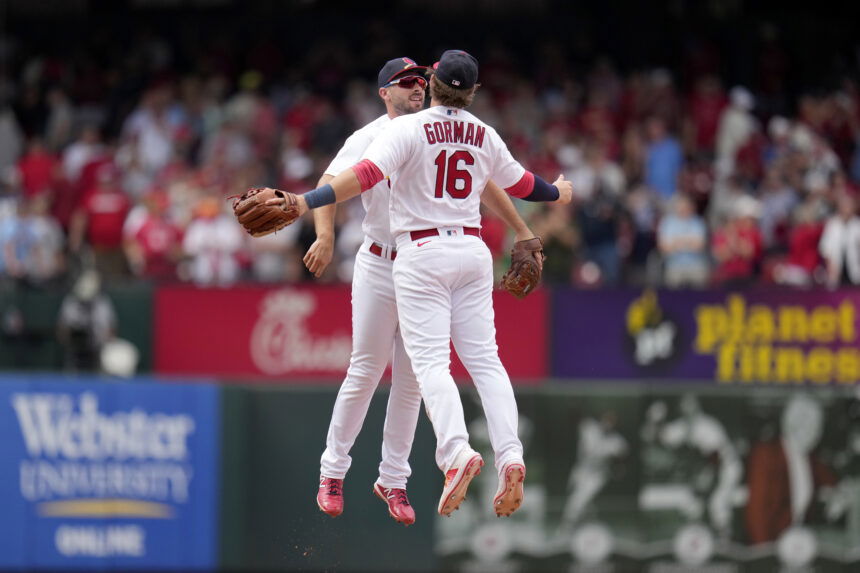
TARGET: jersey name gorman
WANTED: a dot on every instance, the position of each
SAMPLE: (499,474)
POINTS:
(454,132)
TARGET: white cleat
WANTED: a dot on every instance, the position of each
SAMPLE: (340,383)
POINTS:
(509,496)
(466,466)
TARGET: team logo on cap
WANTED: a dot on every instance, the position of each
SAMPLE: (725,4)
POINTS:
(409,63)
(455,82)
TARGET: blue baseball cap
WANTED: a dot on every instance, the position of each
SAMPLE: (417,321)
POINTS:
(457,69)
(399,67)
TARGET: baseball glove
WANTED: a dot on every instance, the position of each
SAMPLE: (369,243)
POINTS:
(526,267)
(260,219)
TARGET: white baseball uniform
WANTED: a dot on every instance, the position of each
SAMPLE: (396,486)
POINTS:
(439,161)
(374,333)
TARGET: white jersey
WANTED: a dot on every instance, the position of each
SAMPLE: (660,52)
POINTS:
(375,199)
(439,161)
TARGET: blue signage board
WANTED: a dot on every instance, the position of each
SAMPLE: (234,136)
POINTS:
(99,475)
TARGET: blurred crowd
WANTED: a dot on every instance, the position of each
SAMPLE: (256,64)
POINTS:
(128,169)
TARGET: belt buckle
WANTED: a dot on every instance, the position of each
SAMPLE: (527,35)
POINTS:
(385,251)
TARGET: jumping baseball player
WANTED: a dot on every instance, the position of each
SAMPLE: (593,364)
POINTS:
(375,324)
(439,161)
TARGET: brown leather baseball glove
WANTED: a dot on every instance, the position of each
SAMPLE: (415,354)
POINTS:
(260,219)
(526,267)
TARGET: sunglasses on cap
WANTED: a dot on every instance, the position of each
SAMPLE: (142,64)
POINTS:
(408,82)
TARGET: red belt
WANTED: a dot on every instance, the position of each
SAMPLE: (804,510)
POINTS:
(376,249)
(415,235)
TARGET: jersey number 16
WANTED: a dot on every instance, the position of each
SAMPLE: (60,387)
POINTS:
(448,174)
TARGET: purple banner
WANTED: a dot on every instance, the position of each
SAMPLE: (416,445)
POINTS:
(773,337)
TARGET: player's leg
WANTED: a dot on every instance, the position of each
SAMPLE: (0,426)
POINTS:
(401,418)
(374,322)
(424,311)
(422,280)
(473,332)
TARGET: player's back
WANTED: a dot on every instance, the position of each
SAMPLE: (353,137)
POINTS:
(448,156)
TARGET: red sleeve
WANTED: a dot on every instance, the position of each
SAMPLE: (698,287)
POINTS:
(523,187)
(368,174)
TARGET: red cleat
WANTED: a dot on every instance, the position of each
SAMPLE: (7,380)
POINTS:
(398,503)
(330,496)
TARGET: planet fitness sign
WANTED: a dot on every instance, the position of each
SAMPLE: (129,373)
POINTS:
(729,337)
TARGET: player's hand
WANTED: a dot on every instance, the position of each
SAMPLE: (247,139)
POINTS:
(319,255)
(279,201)
(565,190)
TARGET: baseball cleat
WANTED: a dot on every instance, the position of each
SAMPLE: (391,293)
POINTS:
(466,466)
(509,496)
(330,496)
(399,507)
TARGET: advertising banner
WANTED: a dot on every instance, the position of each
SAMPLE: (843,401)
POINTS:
(108,476)
(305,333)
(763,337)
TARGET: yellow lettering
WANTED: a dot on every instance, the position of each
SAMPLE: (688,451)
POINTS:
(819,365)
(846,321)
(789,365)
(763,362)
(760,326)
(822,324)
(847,366)
(793,324)
(713,324)
(726,363)
(746,370)
(737,314)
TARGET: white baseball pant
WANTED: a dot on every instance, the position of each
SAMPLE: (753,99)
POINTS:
(374,332)
(444,287)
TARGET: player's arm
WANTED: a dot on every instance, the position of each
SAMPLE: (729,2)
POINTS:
(320,252)
(341,188)
(358,178)
(533,187)
(500,203)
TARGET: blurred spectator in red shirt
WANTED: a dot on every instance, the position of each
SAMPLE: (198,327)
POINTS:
(706,104)
(38,169)
(737,246)
(800,265)
(98,223)
(152,241)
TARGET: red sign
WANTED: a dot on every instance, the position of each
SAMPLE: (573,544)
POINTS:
(304,333)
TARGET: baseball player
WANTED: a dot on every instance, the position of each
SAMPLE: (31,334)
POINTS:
(439,160)
(402,86)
